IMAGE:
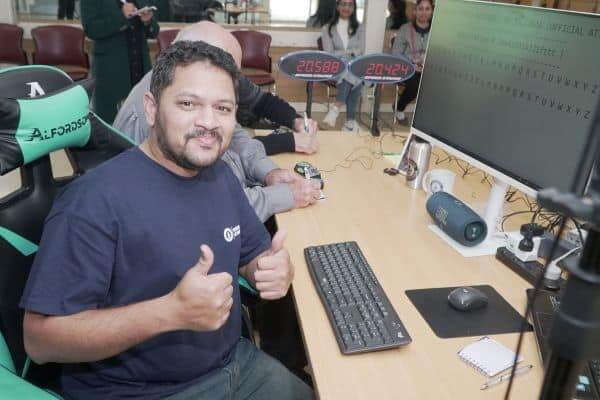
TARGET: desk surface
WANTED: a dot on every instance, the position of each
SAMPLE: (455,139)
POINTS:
(389,222)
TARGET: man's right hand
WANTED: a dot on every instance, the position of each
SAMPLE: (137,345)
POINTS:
(202,301)
(305,191)
(279,175)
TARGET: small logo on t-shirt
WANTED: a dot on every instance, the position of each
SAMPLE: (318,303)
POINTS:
(231,233)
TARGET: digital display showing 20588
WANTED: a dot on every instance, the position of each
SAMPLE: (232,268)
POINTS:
(312,65)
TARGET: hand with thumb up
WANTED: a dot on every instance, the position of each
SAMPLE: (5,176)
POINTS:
(202,301)
(274,271)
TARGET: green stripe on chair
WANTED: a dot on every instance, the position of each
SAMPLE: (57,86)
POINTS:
(5,358)
(23,245)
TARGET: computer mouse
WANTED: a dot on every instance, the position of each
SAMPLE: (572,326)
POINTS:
(467,299)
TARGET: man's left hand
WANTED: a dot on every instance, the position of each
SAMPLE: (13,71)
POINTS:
(275,272)
(313,126)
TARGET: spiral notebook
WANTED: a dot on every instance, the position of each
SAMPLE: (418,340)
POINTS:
(488,356)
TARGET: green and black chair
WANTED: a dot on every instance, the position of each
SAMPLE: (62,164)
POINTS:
(41,111)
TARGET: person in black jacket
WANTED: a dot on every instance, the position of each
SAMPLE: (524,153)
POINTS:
(66,9)
(120,56)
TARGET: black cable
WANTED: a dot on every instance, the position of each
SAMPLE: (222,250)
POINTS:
(536,289)
(365,161)
(506,217)
(578,226)
(448,158)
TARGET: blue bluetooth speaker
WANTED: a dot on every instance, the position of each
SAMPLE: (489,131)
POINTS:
(456,219)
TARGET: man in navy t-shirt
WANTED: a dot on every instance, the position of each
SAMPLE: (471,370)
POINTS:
(134,288)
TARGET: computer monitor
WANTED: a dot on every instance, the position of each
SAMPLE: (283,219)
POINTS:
(513,90)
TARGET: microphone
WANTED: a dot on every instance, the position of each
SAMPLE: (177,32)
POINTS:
(456,219)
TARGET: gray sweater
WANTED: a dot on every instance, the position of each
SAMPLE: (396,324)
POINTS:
(245,156)
(410,43)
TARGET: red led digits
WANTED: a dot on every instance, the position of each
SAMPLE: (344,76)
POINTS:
(301,66)
(335,67)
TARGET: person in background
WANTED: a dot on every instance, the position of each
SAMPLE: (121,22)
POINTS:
(324,14)
(411,42)
(344,36)
(120,55)
(397,17)
(66,9)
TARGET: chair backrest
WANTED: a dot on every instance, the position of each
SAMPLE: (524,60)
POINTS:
(23,211)
(11,51)
(165,38)
(255,49)
(59,45)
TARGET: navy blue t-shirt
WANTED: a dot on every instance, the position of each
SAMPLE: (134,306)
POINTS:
(127,232)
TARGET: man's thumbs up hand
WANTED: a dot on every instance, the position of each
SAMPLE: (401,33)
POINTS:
(202,301)
(274,272)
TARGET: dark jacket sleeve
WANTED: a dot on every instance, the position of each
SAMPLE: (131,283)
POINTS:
(266,105)
(276,143)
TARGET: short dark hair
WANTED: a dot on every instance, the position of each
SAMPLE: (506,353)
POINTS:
(184,53)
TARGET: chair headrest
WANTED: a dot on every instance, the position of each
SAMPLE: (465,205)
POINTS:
(32,127)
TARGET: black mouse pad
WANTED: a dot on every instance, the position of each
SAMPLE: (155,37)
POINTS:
(446,322)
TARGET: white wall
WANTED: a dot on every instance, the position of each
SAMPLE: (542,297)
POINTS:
(8,13)
(375,14)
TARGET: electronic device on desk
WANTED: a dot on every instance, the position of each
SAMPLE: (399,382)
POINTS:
(456,219)
(543,308)
(497,112)
(359,311)
(308,171)
(467,299)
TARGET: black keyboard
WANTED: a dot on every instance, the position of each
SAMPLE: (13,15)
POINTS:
(544,306)
(360,313)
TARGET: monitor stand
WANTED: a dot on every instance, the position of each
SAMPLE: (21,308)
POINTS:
(493,211)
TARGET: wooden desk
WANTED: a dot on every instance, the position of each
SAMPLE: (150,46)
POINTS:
(389,222)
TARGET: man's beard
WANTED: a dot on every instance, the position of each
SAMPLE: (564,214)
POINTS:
(181,159)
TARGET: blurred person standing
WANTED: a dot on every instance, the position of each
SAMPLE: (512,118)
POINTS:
(120,56)
(344,36)
(66,9)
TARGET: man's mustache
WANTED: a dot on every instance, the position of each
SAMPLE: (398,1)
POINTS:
(202,132)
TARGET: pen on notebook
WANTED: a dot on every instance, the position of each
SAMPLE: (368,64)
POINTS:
(505,377)
(305,122)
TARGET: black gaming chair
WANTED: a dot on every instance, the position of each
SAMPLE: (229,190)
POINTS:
(23,211)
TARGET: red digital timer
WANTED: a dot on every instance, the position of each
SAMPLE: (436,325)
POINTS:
(310,65)
(318,67)
(381,69)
